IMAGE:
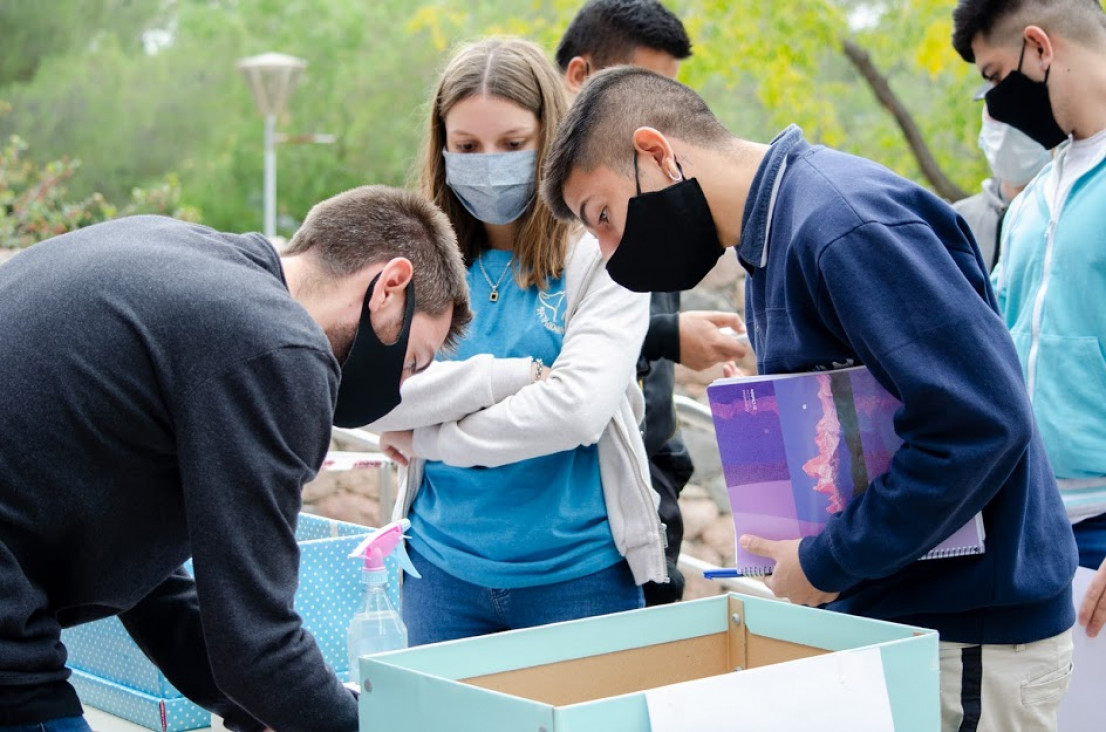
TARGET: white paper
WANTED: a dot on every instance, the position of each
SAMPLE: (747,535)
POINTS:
(836,691)
(336,460)
(1082,709)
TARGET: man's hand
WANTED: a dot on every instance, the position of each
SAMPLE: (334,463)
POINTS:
(398,446)
(702,344)
(787,579)
(1092,612)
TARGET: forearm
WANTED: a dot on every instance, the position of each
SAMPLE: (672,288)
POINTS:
(451,390)
(662,340)
(166,626)
(247,441)
(586,383)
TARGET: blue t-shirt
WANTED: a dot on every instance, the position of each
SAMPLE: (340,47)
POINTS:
(533,522)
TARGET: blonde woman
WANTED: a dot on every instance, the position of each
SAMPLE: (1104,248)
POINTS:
(527,485)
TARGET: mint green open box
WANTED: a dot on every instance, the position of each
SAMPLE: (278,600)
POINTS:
(595,674)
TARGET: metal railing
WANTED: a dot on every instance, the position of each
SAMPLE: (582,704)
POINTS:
(693,414)
(370,442)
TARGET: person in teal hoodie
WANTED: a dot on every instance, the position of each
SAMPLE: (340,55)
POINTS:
(1047,61)
(851,264)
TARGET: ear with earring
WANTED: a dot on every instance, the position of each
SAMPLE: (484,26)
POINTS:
(677,174)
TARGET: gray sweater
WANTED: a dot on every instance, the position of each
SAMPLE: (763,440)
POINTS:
(161,396)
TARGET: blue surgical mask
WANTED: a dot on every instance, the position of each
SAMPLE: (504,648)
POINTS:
(496,188)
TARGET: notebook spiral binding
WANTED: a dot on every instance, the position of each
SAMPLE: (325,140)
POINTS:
(953,551)
(763,570)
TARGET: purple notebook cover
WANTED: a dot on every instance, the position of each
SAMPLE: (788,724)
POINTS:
(796,448)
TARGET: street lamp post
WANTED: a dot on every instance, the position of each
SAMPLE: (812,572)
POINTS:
(271,77)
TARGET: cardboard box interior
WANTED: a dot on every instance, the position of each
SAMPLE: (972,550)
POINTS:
(648,667)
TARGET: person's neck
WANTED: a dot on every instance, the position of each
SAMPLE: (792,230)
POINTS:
(303,285)
(502,236)
(726,176)
(1009,191)
(1088,68)
(318,294)
(296,276)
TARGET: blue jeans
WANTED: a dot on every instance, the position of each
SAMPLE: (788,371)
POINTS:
(1090,537)
(441,607)
(65,724)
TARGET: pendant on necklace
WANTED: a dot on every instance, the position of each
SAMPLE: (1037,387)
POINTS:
(494,297)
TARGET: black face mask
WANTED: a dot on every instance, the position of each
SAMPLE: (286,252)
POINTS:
(372,371)
(1024,104)
(669,243)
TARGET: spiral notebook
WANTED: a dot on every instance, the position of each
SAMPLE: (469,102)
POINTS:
(796,448)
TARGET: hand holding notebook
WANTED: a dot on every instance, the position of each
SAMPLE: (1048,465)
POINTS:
(797,448)
(787,578)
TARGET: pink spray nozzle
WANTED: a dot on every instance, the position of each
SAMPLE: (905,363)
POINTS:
(382,543)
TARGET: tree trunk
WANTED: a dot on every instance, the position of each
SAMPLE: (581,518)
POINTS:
(890,101)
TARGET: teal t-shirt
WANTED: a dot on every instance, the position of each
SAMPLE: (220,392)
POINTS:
(533,522)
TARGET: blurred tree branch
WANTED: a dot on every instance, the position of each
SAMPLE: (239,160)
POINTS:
(887,98)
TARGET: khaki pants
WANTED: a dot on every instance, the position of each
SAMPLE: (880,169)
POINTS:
(1004,688)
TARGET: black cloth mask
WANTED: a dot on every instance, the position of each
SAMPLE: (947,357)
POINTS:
(373,370)
(1024,104)
(669,243)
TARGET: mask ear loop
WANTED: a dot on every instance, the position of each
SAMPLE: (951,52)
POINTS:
(1021,57)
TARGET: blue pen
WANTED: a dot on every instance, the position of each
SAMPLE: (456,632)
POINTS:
(721,573)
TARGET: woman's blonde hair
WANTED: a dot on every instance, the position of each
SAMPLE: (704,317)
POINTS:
(519,72)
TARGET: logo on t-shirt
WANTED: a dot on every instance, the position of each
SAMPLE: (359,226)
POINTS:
(551,310)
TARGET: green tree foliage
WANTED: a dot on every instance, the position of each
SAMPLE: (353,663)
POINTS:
(35,205)
(791,58)
(763,65)
(139,88)
(32,30)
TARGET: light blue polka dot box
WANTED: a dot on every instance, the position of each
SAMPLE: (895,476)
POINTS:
(111,673)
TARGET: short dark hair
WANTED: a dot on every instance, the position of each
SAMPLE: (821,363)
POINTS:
(374,224)
(599,127)
(1002,21)
(611,30)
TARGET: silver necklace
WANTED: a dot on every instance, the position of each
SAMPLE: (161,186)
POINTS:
(494,296)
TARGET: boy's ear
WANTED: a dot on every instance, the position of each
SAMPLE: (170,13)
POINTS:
(654,144)
(578,71)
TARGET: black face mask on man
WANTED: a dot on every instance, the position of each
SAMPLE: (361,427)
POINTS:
(669,243)
(373,370)
(1024,104)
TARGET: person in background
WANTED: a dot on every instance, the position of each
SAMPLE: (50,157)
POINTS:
(851,264)
(168,389)
(1047,62)
(1014,158)
(527,485)
(645,33)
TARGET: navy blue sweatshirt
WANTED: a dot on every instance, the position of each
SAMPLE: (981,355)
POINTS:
(161,396)
(851,264)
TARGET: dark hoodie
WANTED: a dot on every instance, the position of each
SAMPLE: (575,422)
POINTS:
(162,396)
(849,263)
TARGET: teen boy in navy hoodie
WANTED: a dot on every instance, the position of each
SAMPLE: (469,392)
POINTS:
(848,263)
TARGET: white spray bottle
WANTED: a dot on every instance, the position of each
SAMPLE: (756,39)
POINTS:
(378,626)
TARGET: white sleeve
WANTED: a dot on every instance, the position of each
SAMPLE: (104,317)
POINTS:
(450,390)
(586,384)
